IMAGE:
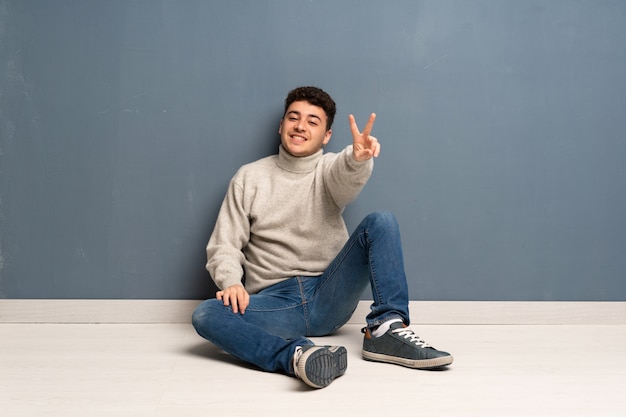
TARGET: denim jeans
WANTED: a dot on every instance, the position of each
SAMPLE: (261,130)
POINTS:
(279,318)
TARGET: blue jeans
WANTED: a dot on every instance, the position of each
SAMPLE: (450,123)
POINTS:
(280,317)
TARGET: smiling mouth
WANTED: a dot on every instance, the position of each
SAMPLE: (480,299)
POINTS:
(298,138)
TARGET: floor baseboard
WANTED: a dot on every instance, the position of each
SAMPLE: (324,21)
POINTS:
(422,312)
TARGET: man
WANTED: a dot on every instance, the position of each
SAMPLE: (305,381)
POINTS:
(287,269)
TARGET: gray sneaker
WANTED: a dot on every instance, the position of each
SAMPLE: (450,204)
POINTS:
(401,346)
(318,366)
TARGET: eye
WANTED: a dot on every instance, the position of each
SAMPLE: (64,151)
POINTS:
(313,123)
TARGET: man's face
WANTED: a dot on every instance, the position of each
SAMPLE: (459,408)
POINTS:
(303,129)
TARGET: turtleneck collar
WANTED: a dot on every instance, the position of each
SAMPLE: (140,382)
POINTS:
(295,164)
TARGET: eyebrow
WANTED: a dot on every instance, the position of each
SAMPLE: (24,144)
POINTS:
(298,114)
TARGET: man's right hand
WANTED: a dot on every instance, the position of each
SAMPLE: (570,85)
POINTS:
(236,297)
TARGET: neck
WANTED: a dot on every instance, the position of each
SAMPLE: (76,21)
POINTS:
(297,164)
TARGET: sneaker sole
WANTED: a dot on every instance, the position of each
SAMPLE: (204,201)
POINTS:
(409,363)
(320,365)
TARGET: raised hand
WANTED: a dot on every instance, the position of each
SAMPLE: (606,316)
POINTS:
(364,146)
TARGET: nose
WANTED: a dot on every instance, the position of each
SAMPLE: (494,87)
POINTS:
(300,125)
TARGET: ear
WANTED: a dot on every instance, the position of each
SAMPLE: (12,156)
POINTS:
(327,136)
(280,127)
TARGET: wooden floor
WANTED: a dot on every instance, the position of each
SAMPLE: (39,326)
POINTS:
(167,370)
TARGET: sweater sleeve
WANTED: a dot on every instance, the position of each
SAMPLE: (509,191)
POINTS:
(231,233)
(345,178)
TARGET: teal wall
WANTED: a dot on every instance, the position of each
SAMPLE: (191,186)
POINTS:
(503,126)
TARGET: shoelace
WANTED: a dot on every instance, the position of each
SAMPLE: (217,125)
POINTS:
(413,338)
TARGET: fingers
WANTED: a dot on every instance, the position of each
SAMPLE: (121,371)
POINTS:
(375,146)
(368,126)
(372,151)
(236,297)
(353,127)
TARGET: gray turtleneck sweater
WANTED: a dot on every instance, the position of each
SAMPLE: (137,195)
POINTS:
(282,217)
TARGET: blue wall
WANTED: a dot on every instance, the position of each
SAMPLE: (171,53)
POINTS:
(503,126)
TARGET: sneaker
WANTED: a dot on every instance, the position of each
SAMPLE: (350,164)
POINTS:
(401,346)
(318,366)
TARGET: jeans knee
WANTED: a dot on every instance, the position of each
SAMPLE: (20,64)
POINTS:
(383,220)
(198,316)
(201,317)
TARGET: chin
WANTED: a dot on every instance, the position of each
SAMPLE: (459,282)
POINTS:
(293,151)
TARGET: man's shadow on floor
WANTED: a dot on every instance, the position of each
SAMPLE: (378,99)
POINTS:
(208,350)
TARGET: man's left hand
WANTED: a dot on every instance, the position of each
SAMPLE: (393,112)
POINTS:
(364,146)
